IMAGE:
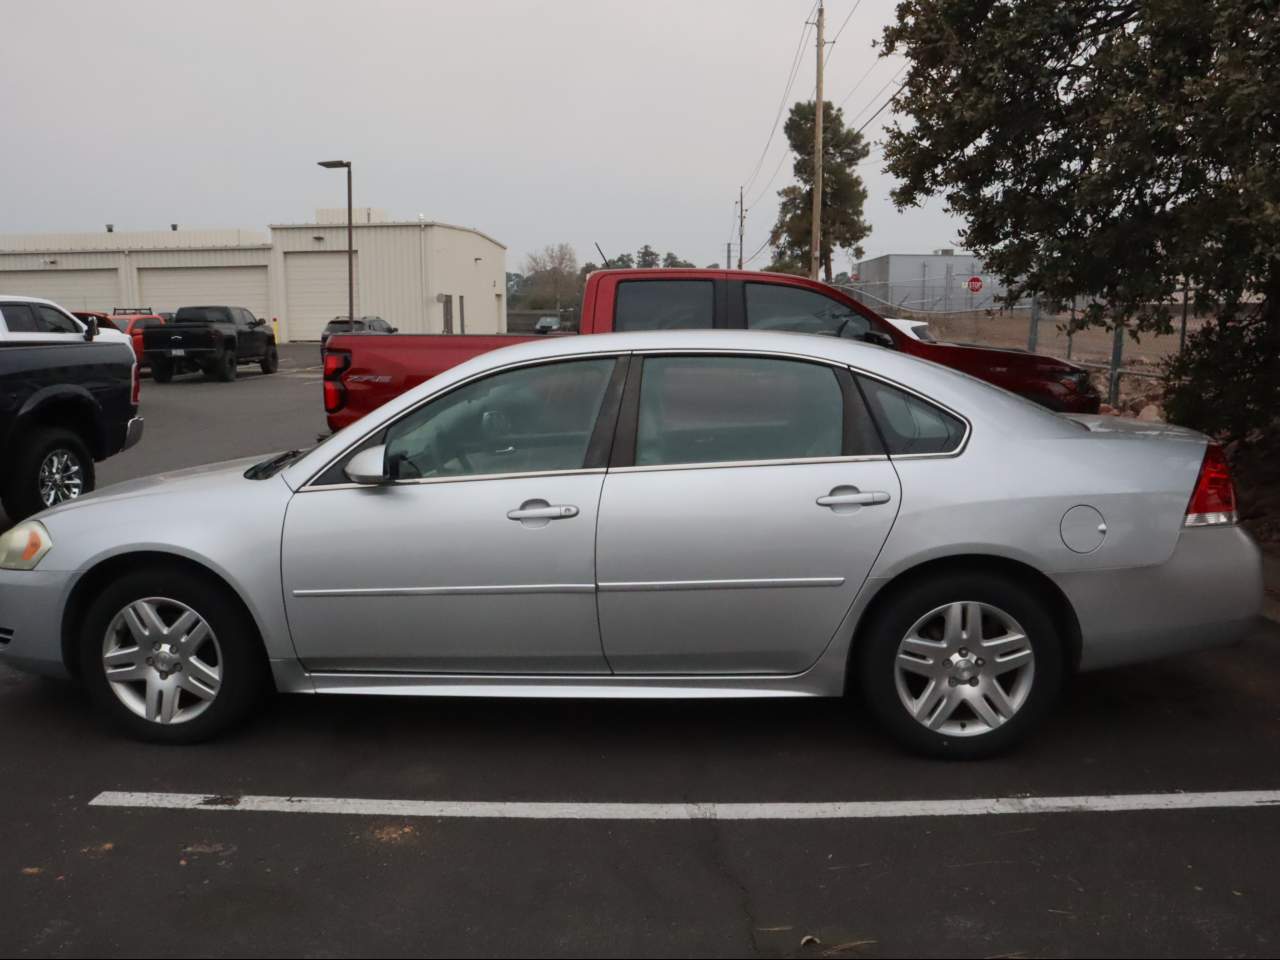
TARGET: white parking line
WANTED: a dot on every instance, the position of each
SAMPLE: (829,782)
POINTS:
(854,810)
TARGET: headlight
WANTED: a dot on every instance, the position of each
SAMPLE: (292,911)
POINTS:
(24,546)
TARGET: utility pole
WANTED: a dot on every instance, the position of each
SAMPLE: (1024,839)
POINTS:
(728,255)
(815,239)
(742,225)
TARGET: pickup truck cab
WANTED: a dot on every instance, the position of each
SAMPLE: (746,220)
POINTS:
(215,339)
(68,397)
(363,373)
(133,326)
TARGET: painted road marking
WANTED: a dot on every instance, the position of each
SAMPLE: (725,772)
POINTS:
(853,810)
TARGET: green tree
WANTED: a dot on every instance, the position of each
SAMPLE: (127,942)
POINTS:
(843,193)
(647,257)
(624,261)
(1113,150)
(671,261)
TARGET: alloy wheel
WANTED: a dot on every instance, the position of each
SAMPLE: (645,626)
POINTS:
(162,660)
(964,669)
(61,477)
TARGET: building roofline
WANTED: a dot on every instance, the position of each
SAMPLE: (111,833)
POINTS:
(388,223)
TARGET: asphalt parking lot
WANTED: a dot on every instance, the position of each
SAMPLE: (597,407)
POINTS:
(80,879)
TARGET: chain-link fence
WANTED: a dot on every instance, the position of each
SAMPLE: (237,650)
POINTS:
(1127,371)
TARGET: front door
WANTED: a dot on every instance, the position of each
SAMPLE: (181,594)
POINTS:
(479,557)
(757,502)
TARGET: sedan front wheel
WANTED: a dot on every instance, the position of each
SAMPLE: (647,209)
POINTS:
(171,657)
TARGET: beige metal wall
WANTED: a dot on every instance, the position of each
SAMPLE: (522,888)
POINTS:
(316,291)
(401,268)
(404,270)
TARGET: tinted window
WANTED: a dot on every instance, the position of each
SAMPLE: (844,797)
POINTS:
(909,424)
(53,320)
(722,409)
(665,305)
(202,315)
(19,318)
(772,306)
(526,420)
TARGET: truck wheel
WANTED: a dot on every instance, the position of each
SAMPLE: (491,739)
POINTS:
(270,359)
(162,370)
(51,465)
(224,368)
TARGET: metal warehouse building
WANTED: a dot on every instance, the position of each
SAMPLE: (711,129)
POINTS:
(421,276)
(927,282)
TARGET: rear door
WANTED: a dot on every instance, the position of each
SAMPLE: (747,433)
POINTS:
(747,500)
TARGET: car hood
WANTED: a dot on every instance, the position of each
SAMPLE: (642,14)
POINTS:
(210,476)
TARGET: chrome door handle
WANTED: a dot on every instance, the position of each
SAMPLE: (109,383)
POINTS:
(541,510)
(855,499)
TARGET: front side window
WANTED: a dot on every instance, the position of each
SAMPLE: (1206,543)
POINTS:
(19,318)
(528,420)
(707,409)
(773,306)
(53,320)
(909,424)
(665,305)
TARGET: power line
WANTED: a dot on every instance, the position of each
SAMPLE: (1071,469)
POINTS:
(856,4)
(791,79)
(874,63)
(876,95)
(883,105)
(759,250)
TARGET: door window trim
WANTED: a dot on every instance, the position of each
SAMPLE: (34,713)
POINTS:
(624,444)
(604,427)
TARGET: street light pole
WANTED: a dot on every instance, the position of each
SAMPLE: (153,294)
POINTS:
(351,256)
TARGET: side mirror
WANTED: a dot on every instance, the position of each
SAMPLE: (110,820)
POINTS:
(91,328)
(879,339)
(259,322)
(397,329)
(369,466)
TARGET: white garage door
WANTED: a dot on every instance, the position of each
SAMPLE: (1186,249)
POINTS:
(316,291)
(73,289)
(168,288)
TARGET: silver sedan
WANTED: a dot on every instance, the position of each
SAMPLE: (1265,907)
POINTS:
(660,515)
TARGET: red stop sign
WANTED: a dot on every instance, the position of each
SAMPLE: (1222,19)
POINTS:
(975,284)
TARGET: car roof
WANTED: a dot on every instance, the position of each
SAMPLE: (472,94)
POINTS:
(18,298)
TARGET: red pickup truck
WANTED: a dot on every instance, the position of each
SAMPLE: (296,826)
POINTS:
(362,372)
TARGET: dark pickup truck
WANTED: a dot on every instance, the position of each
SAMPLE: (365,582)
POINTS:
(63,405)
(213,339)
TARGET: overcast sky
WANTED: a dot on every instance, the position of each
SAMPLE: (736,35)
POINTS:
(574,120)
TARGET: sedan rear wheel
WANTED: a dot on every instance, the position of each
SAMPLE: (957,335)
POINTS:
(171,657)
(962,665)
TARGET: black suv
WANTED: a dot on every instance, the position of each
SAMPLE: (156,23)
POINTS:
(344,324)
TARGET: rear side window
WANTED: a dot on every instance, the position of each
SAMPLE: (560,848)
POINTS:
(665,305)
(709,409)
(19,318)
(909,424)
(773,306)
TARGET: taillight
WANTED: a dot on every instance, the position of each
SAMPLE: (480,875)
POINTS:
(335,394)
(1214,499)
(135,391)
(335,361)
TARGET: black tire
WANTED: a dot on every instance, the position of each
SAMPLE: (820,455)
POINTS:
(162,370)
(224,366)
(270,359)
(21,483)
(245,677)
(876,662)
